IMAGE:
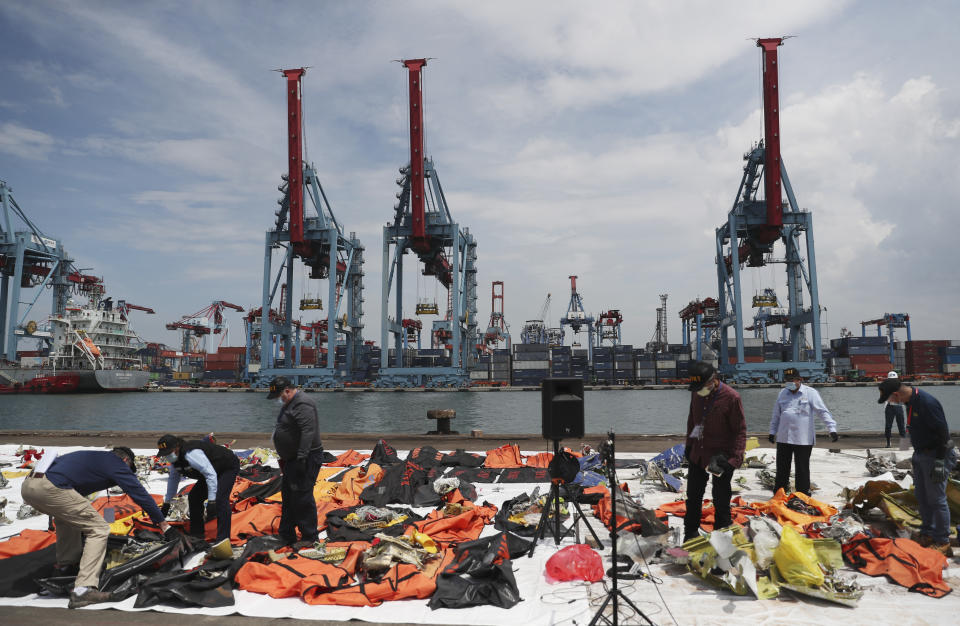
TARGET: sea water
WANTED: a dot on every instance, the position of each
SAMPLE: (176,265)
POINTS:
(623,411)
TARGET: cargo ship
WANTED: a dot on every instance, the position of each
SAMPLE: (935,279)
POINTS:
(90,348)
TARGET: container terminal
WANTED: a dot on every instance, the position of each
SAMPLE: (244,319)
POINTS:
(86,343)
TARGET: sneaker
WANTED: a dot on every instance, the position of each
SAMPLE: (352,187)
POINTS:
(942,548)
(92,596)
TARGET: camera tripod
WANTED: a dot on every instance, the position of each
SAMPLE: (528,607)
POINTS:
(614,595)
(553,500)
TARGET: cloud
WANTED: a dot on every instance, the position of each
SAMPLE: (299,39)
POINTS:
(25,143)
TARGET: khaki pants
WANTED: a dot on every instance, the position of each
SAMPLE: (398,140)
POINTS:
(76,519)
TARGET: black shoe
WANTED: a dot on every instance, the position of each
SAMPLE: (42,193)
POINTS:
(92,596)
(303,543)
(67,569)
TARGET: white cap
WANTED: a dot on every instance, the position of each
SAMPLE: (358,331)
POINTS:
(892,375)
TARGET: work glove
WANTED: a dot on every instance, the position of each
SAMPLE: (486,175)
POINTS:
(718,465)
(772,438)
(834,437)
(171,533)
(211,510)
(938,473)
(165,509)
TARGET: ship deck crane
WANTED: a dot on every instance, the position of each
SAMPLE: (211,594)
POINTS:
(577,318)
(124,308)
(423,226)
(700,317)
(748,236)
(319,243)
(892,321)
(534,330)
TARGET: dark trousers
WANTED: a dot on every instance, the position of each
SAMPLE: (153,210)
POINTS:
(786,452)
(299,507)
(891,413)
(198,496)
(696,486)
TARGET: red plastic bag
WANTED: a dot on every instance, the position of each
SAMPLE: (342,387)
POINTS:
(576,562)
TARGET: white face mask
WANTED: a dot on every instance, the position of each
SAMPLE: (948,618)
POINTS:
(172,457)
(792,386)
(280,401)
(704,391)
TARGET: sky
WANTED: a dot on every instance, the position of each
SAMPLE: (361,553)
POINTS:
(599,140)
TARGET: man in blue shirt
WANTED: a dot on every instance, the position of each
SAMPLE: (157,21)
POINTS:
(214,467)
(791,428)
(933,459)
(59,489)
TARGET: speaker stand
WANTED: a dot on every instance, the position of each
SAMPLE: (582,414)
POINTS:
(553,499)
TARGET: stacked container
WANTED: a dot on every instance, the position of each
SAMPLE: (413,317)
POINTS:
(603,365)
(645,367)
(225,365)
(481,368)
(500,366)
(666,365)
(580,363)
(531,364)
(951,358)
(924,357)
(623,366)
(560,361)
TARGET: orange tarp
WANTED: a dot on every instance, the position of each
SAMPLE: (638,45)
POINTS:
(777,507)
(739,512)
(27,541)
(504,456)
(349,459)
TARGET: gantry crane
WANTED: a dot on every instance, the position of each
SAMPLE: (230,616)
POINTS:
(534,330)
(498,331)
(29,259)
(577,318)
(891,321)
(423,225)
(748,236)
(608,327)
(319,243)
(700,317)
(195,328)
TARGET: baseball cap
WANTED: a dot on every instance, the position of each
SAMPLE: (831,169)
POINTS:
(700,373)
(278,384)
(167,444)
(791,373)
(888,386)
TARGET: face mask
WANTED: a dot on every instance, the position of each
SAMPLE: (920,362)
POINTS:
(172,457)
(792,386)
(704,391)
(280,401)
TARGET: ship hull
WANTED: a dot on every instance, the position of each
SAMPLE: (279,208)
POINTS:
(45,380)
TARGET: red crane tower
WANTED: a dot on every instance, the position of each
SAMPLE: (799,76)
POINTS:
(196,327)
(124,308)
(498,331)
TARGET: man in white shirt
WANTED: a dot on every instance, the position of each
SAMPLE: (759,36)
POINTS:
(791,428)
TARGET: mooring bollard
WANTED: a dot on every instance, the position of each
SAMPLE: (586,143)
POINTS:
(443,417)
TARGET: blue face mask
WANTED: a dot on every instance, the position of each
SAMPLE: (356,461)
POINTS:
(172,457)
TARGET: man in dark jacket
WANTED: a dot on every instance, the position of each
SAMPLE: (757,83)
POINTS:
(716,441)
(58,486)
(214,467)
(933,459)
(296,438)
